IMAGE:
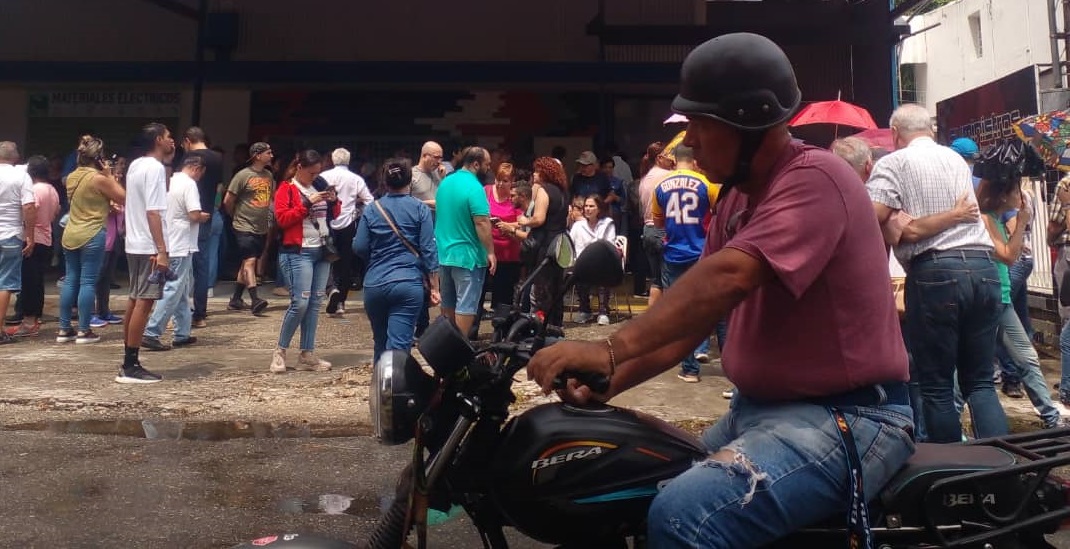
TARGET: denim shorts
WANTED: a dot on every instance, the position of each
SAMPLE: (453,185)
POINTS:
(462,289)
(11,264)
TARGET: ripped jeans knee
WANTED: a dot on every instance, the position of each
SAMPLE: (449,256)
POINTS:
(685,513)
(736,463)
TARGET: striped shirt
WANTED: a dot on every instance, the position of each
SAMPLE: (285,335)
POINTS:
(925,179)
(1056,213)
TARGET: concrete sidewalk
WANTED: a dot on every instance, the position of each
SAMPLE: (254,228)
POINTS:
(224,376)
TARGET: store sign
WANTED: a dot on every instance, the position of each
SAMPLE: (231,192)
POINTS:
(987,113)
(105,104)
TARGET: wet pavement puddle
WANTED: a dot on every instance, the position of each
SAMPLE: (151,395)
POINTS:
(154,429)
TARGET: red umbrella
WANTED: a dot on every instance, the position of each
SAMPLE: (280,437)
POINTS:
(840,113)
(881,137)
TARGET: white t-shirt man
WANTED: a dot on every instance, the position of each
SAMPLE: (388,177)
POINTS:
(146,191)
(16,190)
(182,199)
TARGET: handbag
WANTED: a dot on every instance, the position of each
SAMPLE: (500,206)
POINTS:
(529,245)
(405,241)
(330,251)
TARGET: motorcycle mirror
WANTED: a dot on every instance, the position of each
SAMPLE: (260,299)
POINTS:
(562,251)
(598,265)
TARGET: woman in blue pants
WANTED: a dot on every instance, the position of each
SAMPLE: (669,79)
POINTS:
(396,240)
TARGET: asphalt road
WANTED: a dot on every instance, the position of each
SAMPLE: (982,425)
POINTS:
(87,491)
(91,491)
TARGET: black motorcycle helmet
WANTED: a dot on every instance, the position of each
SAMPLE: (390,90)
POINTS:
(744,80)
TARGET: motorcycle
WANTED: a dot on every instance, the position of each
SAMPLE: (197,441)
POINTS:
(585,476)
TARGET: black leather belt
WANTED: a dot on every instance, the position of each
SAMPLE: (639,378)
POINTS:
(871,395)
(954,253)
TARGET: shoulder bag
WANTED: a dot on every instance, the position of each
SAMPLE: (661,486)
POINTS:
(405,241)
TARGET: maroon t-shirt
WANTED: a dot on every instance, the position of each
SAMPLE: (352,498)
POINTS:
(827,322)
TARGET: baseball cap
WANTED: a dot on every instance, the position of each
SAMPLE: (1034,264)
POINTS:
(966,148)
(258,148)
(587,158)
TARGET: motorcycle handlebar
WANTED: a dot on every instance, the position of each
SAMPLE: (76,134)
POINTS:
(597,382)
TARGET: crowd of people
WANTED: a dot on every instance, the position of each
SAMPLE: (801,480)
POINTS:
(425,232)
(429,232)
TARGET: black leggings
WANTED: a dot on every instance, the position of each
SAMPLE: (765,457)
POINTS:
(107,275)
(31,301)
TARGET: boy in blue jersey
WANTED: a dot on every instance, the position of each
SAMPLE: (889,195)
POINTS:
(683,206)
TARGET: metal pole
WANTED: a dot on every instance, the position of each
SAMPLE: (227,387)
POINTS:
(198,82)
(1053,30)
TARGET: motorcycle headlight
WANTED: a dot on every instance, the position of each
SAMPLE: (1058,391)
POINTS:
(400,390)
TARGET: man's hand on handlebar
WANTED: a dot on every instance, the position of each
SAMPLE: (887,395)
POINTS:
(573,357)
(579,394)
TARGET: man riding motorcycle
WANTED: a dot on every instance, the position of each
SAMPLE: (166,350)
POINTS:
(796,258)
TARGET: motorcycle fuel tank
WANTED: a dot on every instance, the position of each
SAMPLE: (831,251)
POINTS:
(567,474)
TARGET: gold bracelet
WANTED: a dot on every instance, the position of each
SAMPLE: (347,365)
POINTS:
(612,357)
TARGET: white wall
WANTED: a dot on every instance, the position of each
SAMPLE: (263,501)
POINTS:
(1014,35)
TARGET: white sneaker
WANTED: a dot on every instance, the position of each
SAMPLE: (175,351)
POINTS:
(603,320)
(211,292)
(309,362)
(728,394)
(278,361)
(703,357)
(583,318)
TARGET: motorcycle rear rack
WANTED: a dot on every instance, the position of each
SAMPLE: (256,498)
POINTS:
(1038,452)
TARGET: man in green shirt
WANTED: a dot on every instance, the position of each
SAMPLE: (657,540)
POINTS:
(462,232)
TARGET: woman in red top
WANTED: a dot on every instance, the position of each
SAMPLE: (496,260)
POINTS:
(301,215)
(507,249)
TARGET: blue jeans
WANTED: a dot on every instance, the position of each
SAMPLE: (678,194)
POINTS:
(305,274)
(1019,274)
(1026,363)
(670,272)
(174,302)
(206,264)
(80,284)
(953,307)
(1059,269)
(392,309)
(1064,352)
(790,471)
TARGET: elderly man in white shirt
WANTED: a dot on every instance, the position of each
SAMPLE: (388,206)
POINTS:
(353,194)
(952,288)
(17,218)
(181,226)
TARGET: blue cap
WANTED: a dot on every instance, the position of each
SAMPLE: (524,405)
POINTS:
(966,147)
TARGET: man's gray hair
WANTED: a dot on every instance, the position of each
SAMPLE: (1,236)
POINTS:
(854,150)
(9,152)
(340,157)
(195,161)
(911,118)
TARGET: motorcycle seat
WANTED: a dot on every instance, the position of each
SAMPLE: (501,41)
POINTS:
(932,462)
